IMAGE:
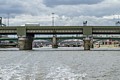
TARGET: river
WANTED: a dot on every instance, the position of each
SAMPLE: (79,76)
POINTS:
(60,64)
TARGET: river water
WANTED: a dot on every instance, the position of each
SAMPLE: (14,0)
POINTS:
(60,64)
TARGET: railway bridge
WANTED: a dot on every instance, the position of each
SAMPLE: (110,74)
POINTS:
(26,33)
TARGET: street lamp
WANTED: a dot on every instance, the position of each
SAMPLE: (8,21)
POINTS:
(0,21)
(53,19)
(8,18)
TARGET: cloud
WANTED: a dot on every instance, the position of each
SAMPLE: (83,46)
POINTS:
(64,7)
(23,19)
(101,9)
(46,20)
(69,2)
(106,7)
(17,7)
(8,6)
(68,12)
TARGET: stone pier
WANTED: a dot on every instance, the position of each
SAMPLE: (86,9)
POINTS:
(54,40)
(25,43)
(87,44)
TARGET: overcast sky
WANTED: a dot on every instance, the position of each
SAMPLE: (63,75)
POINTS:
(67,12)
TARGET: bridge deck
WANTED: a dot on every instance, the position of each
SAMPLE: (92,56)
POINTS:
(62,29)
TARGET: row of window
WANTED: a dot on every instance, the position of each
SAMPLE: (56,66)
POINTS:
(7,31)
(32,31)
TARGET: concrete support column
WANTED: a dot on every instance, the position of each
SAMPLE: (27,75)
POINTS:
(25,43)
(54,40)
(87,44)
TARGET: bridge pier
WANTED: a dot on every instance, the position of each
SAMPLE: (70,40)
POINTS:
(87,43)
(54,40)
(25,43)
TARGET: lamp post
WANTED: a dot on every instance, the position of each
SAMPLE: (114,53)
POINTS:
(8,18)
(53,19)
(0,21)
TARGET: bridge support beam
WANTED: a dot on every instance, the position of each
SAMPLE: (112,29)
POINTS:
(87,44)
(25,43)
(54,45)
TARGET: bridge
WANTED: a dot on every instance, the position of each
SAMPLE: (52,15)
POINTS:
(26,33)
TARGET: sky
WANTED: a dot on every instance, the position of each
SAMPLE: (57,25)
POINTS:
(66,12)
